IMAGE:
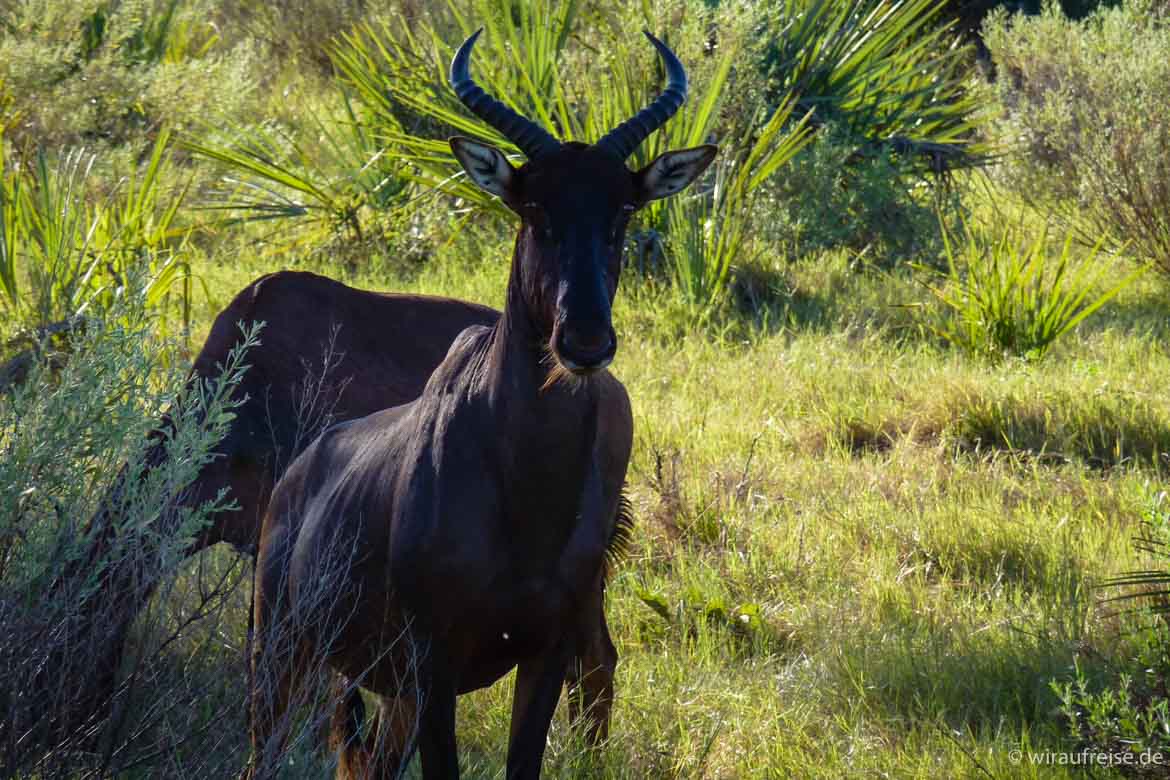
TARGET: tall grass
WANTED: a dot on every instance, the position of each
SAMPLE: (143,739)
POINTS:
(1004,295)
(65,252)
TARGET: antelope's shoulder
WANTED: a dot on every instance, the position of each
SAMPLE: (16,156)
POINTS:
(346,461)
(469,346)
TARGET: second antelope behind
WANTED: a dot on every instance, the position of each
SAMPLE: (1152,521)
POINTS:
(427,549)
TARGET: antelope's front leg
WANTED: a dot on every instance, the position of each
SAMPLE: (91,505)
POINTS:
(538,687)
(590,674)
(436,739)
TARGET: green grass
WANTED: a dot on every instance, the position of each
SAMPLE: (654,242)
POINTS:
(1003,298)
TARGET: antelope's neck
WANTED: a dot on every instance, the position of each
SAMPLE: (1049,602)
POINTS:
(539,416)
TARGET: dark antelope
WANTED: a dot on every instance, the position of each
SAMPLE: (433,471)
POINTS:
(477,517)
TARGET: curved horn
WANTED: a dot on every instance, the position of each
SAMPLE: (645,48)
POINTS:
(624,139)
(532,139)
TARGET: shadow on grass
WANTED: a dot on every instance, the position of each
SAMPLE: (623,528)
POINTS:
(1143,312)
(979,680)
(995,559)
(1103,431)
(835,298)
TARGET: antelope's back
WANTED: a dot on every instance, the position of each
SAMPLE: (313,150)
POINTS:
(328,353)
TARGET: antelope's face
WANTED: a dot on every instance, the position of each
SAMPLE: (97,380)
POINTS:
(574,207)
(574,202)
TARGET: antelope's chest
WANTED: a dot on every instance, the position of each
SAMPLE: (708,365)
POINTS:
(499,548)
(509,586)
(502,597)
(515,621)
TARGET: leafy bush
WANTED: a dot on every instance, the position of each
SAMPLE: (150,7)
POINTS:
(877,206)
(1131,712)
(888,85)
(970,14)
(115,652)
(109,71)
(1129,719)
(1002,296)
(299,31)
(60,431)
(1085,105)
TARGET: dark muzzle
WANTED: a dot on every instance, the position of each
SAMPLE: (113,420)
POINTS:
(584,350)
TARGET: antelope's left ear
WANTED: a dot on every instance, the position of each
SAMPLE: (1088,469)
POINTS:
(485,164)
(671,172)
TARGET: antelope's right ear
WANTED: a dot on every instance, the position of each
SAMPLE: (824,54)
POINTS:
(671,172)
(485,164)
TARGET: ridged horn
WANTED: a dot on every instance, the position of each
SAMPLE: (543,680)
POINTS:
(532,139)
(624,139)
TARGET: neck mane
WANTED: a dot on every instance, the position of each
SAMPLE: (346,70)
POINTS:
(517,358)
(517,366)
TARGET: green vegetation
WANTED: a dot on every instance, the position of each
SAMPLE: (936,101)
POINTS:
(65,430)
(862,549)
(1087,102)
(884,70)
(1014,300)
(63,255)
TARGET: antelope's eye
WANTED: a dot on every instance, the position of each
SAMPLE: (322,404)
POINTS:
(537,217)
(620,223)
